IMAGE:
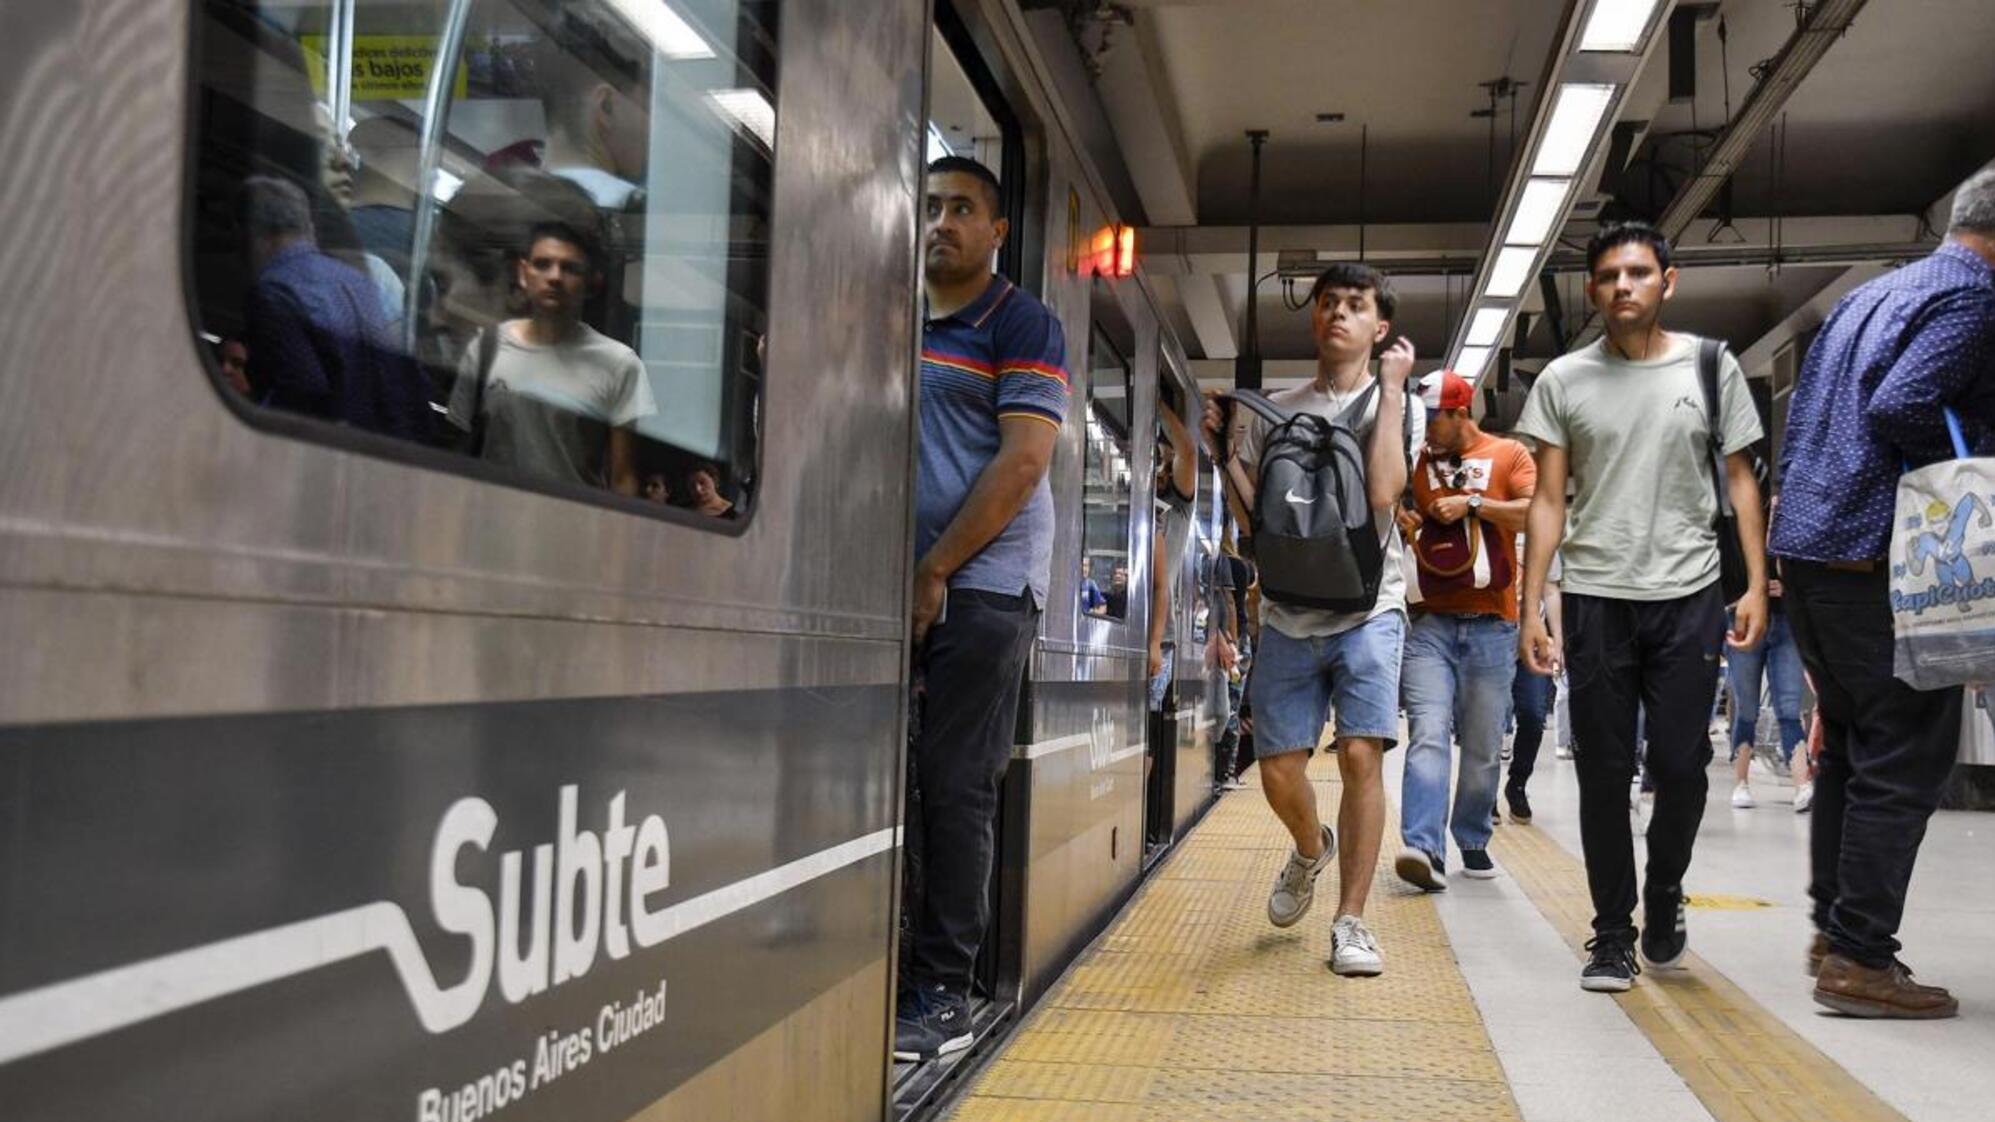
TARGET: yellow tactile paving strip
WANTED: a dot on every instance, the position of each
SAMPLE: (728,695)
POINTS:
(1742,1062)
(1194,1007)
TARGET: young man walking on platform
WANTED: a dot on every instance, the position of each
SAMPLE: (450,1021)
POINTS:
(1892,356)
(1312,660)
(1472,491)
(1626,418)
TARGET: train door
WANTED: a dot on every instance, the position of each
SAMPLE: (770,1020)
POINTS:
(968,116)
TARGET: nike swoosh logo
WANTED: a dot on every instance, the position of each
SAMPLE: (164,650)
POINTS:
(1298,500)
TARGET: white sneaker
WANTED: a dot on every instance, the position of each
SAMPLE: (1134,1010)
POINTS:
(1353,950)
(1562,752)
(1295,885)
(1742,798)
(1804,797)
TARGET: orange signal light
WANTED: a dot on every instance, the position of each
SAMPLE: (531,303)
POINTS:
(1112,251)
(1125,251)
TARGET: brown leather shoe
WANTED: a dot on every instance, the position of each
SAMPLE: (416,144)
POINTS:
(1818,949)
(1848,986)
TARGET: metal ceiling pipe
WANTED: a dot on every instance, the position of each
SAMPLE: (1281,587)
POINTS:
(1826,23)
(1247,367)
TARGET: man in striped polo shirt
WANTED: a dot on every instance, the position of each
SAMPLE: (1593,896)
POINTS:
(993,398)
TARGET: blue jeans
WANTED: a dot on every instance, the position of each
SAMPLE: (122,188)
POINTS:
(1298,681)
(1456,682)
(1780,661)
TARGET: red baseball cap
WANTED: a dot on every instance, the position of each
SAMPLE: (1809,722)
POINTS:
(1445,389)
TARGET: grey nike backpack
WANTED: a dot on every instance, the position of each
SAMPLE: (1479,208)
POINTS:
(1315,539)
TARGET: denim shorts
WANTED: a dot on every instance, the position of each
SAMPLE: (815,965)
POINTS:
(1297,682)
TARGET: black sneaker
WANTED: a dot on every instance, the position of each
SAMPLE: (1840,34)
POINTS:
(1665,937)
(1612,968)
(932,1022)
(1476,865)
(1520,804)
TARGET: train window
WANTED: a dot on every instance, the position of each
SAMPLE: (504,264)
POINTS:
(1105,493)
(526,238)
(968,116)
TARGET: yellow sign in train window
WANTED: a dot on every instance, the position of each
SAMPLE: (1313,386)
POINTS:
(385,67)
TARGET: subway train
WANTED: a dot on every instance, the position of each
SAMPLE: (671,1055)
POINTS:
(296,696)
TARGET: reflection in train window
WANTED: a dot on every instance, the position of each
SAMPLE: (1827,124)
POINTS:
(529,233)
(1105,493)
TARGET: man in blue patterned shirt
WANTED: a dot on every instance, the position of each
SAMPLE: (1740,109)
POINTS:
(1869,402)
(318,343)
(992,403)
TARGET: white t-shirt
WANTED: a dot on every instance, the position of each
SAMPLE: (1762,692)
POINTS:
(548,410)
(1248,430)
(1637,439)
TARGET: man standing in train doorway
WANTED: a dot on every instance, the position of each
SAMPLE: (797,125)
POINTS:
(1472,490)
(1892,357)
(1313,660)
(1625,418)
(993,398)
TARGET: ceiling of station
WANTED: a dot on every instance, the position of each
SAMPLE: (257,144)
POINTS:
(1900,109)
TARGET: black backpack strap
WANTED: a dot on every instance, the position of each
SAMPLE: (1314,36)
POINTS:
(1353,416)
(1710,360)
(488,353)
(1257,402)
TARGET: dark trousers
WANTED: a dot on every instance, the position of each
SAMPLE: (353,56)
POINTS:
(1622,655)
(969,672)
(1531,702)
(1886,752)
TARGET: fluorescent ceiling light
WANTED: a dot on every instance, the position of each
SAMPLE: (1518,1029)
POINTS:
(669,33)
(750,110)
(1616,25)
(1511,272)
(1487,326)
(1537,208)
(446,185)
(1568,138)
(1470,362)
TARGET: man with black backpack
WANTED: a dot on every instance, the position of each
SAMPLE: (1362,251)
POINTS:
(1320,467)
(1641,421)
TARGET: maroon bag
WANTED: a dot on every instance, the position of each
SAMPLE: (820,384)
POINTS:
(1457,557)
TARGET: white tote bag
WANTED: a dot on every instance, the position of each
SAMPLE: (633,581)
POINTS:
(1943,571)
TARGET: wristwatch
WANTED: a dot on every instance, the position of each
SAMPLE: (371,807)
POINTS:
(1475,505)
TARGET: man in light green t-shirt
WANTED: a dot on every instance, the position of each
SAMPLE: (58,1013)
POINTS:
(1626,417)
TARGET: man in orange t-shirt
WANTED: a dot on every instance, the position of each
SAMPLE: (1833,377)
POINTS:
(1472,491)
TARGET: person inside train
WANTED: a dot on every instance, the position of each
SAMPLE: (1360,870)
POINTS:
(703,483)
(1313,661)
(657,489)
(1117,596)
(1869,401)
(1177,479)
(337,165)
(594,92)
(318,343)
(1625,418)
(1094,601)
(547,395)
(386,164)
(232,355)
(992,401)
(1472,490)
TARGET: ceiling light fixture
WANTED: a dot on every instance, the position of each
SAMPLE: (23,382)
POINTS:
(669,33)
(750,110)
(1511,272)
(1470,362)
(1575,122)
(1537,209)
(1617,25)
(1487,326)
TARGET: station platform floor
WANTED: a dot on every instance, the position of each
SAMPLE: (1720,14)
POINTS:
(1192,1006)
